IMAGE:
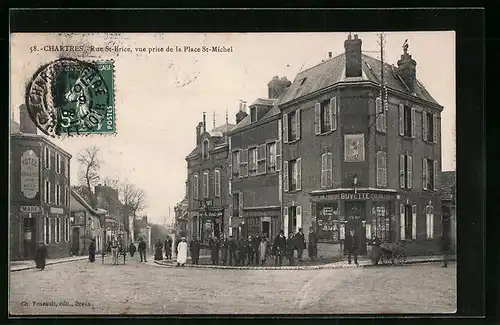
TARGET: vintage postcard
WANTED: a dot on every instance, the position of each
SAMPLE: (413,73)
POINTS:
(232,173)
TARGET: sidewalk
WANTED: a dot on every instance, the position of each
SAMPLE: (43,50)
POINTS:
(26,265)
(363,262)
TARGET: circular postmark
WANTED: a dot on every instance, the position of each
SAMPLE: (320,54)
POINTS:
(68,96)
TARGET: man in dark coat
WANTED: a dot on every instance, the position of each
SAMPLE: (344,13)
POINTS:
(279,248)
(214,250)
(168,248)
(225,249)
(300,244)
(312,247)
(92,251)
(233,246)
(131,249)
(352,244)
(255,248)
(194,248)
(291,245)
(40,255)
(249,251)
(142,249)
(241,251)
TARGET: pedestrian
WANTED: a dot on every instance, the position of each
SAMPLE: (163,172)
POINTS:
(213,244)
(92,251)
(142,249)
(312,247)
(194,248)
(279,248)
(114,251)
(255,248)
(225,249)
(182,252)
(262,250)
(290,248)
(249,251)
(131,249)
(241,251)
(168,248)
(40,255)
(376,251)
(300,243)
(445,248)
(352,245)
(233,246)
(158,251)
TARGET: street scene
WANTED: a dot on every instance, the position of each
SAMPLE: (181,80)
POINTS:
(238,182)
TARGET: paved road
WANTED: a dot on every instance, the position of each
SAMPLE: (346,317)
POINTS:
(138,288)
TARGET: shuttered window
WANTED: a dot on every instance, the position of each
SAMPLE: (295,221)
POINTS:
(286,186)
(298,216)
(278,155)
(205,185)
(381,119)
(406,121)
(406,171)
(326,169)
(299,174)
(217,183)
(325,116)
(261,159)
(429,214)
(285,220)
(252,161)
(195,187)
(381,169)
(244,163)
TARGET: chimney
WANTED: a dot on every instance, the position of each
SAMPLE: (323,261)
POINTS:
(276,86)
(199,132)
(329,55)
(204,122)
(26,123)
(407,69)
(352,56)
(242,112)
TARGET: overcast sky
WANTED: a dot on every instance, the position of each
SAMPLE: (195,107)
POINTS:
(160,97)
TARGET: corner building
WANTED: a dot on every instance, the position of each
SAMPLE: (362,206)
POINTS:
(359,155)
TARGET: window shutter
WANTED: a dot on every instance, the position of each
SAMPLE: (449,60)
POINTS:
(215,183)
(297,120)
(401,119)
(333,113)
(299,174)
(285,128)
(323,170)
(424,173)
(230,164)
(431,217)
(410,171)
(264,147)
(329,162)
(285,176)
(435,173)
(424,125)
(384,158)
(379,166)
(278,155)
(279,130)
(434,128)
(50,230)
(240,202)
(298,214)
(402,171)
(285,220)
(244,159)
(413,222)
(317,118)
(402,221)
(413,122)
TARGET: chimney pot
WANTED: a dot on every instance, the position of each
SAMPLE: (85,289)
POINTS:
(26,124)
(329,55)
(353,57)
(204,122)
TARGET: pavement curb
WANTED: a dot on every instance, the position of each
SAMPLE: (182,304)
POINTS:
(29,267)
(330,266)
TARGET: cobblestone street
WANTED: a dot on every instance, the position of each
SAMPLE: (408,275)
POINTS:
(139,288)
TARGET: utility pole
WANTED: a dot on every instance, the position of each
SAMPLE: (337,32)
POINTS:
(381,42)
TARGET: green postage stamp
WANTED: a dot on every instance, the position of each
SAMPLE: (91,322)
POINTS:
(73,97)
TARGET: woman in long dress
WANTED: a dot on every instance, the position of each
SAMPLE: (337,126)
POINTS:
(263,250)
(92,251)
(158,251)
(182,252)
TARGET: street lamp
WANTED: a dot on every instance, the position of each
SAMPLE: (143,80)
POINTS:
(355,183)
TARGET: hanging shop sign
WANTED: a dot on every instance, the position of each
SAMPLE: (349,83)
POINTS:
(30,174)
(57,210)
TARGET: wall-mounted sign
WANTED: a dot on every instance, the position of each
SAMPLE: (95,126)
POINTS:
(30,174)
(57,210)
(350,196)
(30,209)
(354,147)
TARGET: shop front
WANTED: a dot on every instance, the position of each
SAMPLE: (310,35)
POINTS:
(211,223)
(369,213)
(260,222)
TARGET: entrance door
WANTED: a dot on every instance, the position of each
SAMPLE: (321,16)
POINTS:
(29,237)
(75,247)
(266,228)
(355,215)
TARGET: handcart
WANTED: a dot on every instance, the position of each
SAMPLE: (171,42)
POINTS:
(388,253)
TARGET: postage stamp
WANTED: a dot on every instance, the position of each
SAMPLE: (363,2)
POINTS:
(73,97)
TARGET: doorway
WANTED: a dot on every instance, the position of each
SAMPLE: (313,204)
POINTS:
(266,228)
(355,215)
(29,237)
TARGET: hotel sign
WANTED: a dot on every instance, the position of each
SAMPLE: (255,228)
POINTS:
(354,197)
(30,174)
(30,209)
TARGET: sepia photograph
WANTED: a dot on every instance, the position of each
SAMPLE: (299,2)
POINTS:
(232,173)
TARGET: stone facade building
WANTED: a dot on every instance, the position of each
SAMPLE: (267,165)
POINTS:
(208,193)
(448,201)
(39,192)
(354,160)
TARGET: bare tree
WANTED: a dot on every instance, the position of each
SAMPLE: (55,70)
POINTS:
(88,175)
(133,199)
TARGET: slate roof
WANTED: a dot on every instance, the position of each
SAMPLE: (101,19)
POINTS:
(448,185)
(217,135)
(261,101)
(332,71)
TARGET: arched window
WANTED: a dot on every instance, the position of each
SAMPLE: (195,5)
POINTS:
(204,149)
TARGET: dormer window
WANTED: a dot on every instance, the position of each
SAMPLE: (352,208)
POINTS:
(204,149)
(253,114)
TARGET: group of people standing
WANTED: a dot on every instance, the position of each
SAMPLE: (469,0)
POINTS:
(165,246)
(286,247)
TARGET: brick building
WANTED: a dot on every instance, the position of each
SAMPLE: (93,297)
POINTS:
(39,192)
(354,160)
(255,166)
(208,192)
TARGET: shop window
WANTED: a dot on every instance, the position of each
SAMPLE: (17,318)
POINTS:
(329,223)
(381,222)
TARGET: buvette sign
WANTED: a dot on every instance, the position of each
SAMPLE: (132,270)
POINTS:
(30,174)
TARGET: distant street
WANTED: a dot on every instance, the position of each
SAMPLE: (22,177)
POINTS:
(139,288)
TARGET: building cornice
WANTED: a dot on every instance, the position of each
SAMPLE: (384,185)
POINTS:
(358,189)
(28,136)
(255,124)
